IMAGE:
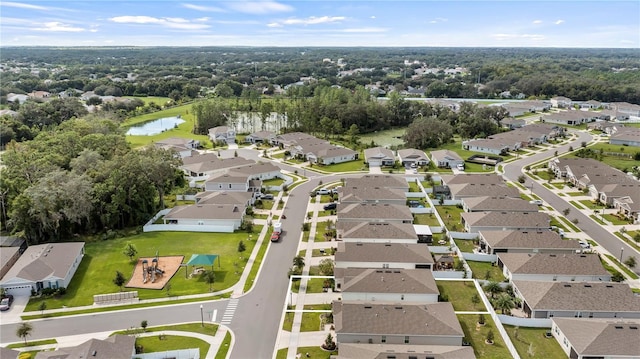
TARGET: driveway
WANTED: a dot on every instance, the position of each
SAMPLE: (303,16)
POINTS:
(13,314)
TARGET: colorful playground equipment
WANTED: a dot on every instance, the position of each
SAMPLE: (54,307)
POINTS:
(149,272)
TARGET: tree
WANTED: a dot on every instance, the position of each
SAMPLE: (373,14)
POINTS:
(130,251)
(493,288)
(631,262)
(42,307)
(481,319)
(428,133)
(505,303)
(209,277)
(329,344)
(475,299)
(298,262)
(521,179)
(241,247)
(144,325)
(326,266)
(490,337)
(119,280)
(566,211)
(24,330)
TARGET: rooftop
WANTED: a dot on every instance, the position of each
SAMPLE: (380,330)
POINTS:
(602,338)
(560,264)
(383,252)
(380,230)
(370,280)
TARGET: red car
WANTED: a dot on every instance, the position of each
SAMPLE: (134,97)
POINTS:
(275,236)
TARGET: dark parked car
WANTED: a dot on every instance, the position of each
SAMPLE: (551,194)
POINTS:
(6,302)
(268,196)
(330,206)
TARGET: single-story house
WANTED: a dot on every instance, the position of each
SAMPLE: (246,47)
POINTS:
(542,299)
(8,257)
(570,118)
(465,190)
(383,351)
(629,206)
(383,255)
(372,194)
(474,222)
(50,265)
(513,123)
(373,212)
(412,156)
(201,167)
(230,182)
(627,109)
(560,102)
(331,155)
(386,181)
(286,140)
(223,215)
(494,242)
(484,145)
(424,324)
(477,178)
(376,232)
(553,267)
(446,159)
(260,137)
(497,204)
(222,134)
(629,137)
(183,146)
(243,199)
(379,156)
(597,338)
(115,347)
(412,286)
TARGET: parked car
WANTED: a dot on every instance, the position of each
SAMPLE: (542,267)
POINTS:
(323,191)
(584,244)
(460,166)
(6,302)
(275,236)
(330,206)
(536,202)
(268,196)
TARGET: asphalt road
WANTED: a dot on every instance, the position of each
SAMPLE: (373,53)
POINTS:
(602,236)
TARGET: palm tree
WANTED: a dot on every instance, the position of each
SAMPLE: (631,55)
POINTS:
(505,303)
(493,288)
(298,262)
(24,330)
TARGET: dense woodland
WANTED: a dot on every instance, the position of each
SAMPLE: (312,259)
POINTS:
(67,171)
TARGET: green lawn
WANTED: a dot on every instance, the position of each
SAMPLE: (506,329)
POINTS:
(450,215)
(629,272)
(459,294)
(314,353)
(465,245)
(480,269)
(160,101)
(384,138)
(555,222)
(576,204)
(413,187)
(224,347)
(576,194)
(273,182)
(597,219)
(569,224)
(103,258)
(288,321)
(533,340)
(32,343)
(317,307)
(615,220)
(425,219)
(587,203)
(310,322)
(351,166)
(207,329)
(497,350)
(314,285)
(172,342)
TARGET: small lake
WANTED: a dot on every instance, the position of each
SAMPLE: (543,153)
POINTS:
(155,127)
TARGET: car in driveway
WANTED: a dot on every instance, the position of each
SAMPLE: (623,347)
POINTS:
(330,206)
(6,302)
(268,196)
(323,191)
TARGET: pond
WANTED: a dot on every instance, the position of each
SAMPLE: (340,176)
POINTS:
(155,127)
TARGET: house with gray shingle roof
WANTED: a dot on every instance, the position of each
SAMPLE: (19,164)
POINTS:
(446,159)
(383,255)
(387,285)
(373,212)
(597,338)
(222,134)
(411,156)
(115,347)
(403,351)
(552,267)
(474,222)
(201,167)
(379,156)
(629,206)
(628,137)
(243,199)
(499,204)
(50,265)
(260,137)
(577,299)
(376,232)
(386,181)
(372,194)
(188,218)
(477,178)
(464,190)
(425,324)
(494,242)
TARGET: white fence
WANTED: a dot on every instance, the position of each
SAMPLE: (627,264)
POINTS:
(449,202)
(439,249)
(192,353)
(525,322)
(421,210)
(436,229)
(151,227)
(463,235)
(287,182)
(415,194)
(477,257)
(449,274)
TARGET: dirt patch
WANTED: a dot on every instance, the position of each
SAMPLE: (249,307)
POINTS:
(168,267)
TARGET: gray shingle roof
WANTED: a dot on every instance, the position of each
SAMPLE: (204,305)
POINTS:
(507,219)
(383,252)
(403,281)
(412,154)
(371,194)
(381,230)
(403,351)
(206,211)
(479,189)
(602,338)
(527,239)
(223,197)
(115,347)
(396,319)
(484,178)
(373,211)
(386,181)
(560,264)
(41,261)
(579,296)
(378,152)
(487,203)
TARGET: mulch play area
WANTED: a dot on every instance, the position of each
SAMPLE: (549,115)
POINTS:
(166,268)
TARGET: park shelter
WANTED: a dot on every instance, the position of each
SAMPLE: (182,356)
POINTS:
(202,260)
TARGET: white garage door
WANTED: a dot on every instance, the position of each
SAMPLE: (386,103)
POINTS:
(375,163)
(19,291)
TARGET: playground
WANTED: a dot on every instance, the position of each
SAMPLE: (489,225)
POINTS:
(154,272)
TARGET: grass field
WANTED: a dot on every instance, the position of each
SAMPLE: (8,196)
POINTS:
(351,166)
(172,342)
(497,350)
(532,340)
(459,294)
(224,347)
(465,245)
(426,219)
(384,138)
(450,215)
(103,258)
(480,269)
(314,353)
(160,101)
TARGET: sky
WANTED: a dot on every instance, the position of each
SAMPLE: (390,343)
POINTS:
(418,23)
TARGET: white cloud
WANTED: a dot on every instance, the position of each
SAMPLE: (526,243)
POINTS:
(366,30)
(314,20)
(533,37)
(202,8)
(558,22)
(23,6)
(56,26)
(537,22)
(170,22)
(372,17)
(259,7)
(274,24)
(438,20)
